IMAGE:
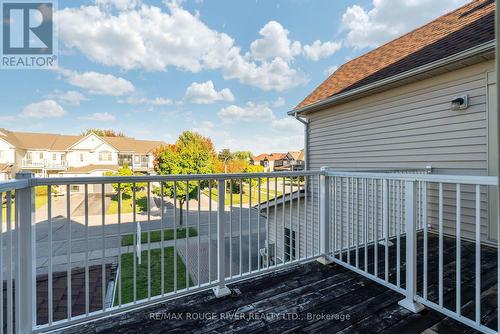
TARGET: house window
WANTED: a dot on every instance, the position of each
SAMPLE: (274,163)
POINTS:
(289,245)
(2,155)
(28,156)
(54,156)
(81,157)
(105,156)
(40,155)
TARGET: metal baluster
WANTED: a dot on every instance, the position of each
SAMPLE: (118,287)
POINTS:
(119,278)
(357,221)
(365,220)
(103,264)
(297,246)
(198,233)
(10,302)
(341,256)
(250,226)
(459,253)
(385,202)
(267,223)
(162,240)
(284,221)
(375,200)
(478,255)
(241,232)
(348,219)
(149,237)
(210,231)
(137,239)
(230,228)
(398,216)
(259,264)
(426,242)
(175,236)
(68,272)
(49,232)
(440,267)
(186,234)
(87,289)
(275,222)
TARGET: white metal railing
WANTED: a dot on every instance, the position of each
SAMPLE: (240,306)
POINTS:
(27,163)
(368,217)
(128,247)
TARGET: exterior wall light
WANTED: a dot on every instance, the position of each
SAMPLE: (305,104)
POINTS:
(460,103)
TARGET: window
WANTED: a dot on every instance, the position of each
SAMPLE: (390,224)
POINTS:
(28,156)
(2,155)
(40,155)
(54,156)
(105,156)
(289,245)
(81,157)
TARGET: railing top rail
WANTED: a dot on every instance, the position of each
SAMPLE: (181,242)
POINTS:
(13,185)
(164,178)
(455,179)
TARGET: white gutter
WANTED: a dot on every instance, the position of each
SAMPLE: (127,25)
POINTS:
(306,140)
(485,47)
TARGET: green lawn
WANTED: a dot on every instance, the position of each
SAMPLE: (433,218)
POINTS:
(128,239)
(245,198)
(141,203)
(127,275)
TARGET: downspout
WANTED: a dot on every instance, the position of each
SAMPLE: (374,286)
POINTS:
(306,140)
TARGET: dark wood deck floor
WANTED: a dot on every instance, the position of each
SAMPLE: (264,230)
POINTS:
(313,298)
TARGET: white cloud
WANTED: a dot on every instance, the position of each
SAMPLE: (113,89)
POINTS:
(330,69)
(205,93)
(388,19)
(118,4)
(71,97)
(318,50)
(279,102)
(98,83)
(211,130)
(99,117)
(43,109)
(250,112)
(7,118)
(275,43)
(150,38)
(288,124)
(157,101)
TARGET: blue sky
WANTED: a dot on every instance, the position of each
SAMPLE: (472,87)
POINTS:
(229,69)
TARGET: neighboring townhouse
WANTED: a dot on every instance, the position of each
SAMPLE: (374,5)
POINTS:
(291,161)
(50,155)
(426,99)
(270,162)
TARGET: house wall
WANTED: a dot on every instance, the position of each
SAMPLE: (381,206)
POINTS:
(90,147)
(413,127)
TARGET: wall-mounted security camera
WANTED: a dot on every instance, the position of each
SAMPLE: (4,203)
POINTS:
(460,103)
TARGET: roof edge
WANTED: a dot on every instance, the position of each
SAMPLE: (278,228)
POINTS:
(316,106)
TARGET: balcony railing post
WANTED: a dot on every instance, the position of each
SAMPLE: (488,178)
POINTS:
(26,305)
(324,219)
(411,248)
(221,289)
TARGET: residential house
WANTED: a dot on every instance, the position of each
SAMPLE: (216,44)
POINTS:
(425,101)
(50,155)
(293,160)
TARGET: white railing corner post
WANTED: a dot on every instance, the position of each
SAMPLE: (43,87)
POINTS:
(221,289)
(324,219)
(411,248)
(26,304)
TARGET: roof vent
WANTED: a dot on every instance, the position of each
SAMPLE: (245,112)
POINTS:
(460,103)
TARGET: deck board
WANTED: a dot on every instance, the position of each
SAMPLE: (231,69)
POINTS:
(325,289)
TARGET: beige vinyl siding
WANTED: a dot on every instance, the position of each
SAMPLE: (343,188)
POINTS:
(412,127)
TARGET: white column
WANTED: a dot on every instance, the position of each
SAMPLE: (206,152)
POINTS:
(324,219)
(411,249)
(221,289)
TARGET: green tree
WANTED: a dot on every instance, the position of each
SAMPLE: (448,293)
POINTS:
(125,188)
(243,155)
(191,154)
(103,133)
